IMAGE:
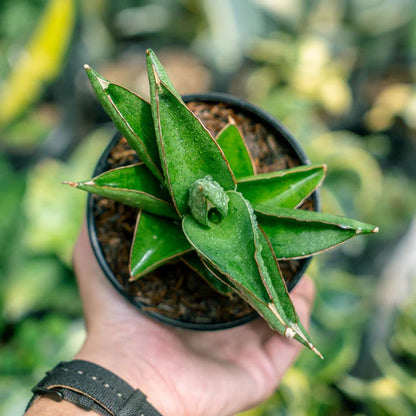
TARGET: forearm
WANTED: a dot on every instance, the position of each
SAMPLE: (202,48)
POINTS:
(47,407)
(90,377)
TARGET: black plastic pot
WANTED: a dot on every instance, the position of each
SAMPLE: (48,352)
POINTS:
(255,114)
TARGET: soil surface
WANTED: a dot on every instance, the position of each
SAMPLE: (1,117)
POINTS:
(174,290)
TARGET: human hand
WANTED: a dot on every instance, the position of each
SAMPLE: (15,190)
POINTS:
(182,372)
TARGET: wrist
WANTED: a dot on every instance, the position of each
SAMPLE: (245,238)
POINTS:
(133,368)
(90,387)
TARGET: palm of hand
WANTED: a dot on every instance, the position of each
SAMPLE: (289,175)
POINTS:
(182,372)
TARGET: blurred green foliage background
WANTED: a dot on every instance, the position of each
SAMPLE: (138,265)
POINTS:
(339,73)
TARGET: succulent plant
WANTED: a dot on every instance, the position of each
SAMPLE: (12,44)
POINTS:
(201,200)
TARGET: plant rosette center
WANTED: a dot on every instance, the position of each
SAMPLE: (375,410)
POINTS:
(208,201)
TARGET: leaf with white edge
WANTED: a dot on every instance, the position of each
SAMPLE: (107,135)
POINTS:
(235,151)
(156,241)
(233,247)
(132,185)
(230,245)
(156,72)
(301,233)
(132,116)
(285,188)
(265,310)
(274,282)
(194,262)
(187,150)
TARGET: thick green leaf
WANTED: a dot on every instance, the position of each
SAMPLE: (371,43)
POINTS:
(132,116)
(233,246)
(274,281)
(286,188)
(156,73)
(235,151)
(187,150)
(230,245)
(194,262)
(300,233)
(156,241)
(277,289)
(131,185)
(262,308)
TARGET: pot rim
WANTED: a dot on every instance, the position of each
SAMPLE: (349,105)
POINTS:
(255,114)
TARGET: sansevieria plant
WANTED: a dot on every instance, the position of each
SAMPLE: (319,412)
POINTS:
(201,200)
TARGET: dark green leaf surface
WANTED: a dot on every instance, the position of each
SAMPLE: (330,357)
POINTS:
(236,152)
(187,150)
(194,262)
(300,233)
(286,188)
(132,185)
(156,241)
(230,245)
(274,281)
(262,308)
(282,308)
(132,116)
(156,73)
(234,248)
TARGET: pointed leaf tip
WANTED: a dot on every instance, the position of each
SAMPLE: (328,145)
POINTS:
(317,352)
(73,184)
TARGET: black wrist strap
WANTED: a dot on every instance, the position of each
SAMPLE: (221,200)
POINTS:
(92,387)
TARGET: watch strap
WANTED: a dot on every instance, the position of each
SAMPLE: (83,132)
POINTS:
(92,387)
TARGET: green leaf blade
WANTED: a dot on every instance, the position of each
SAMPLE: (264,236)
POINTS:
(195,263)
(234,248)
(286,189)
(156,72)
(132,116)
(264,309)
(230,245)
(132,185)
(183,138)
(235,151)
(275,281)
(156,241)
(301,233)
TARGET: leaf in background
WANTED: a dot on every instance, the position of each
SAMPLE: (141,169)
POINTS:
(183,138)
(53,214)
(23,291)
(235,151)
(156,241)
(195,263)
(286,188)
(300,233)
(41,60)
(132,116)
(131,185)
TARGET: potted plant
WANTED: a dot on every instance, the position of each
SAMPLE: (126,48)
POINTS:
(201,201)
